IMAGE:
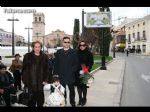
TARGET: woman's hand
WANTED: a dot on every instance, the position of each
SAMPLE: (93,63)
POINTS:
(44,83)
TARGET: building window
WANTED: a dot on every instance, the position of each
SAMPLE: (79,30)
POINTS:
(144,35)
(143,23)
(138,25)
(133,26)
(129,38)
(39,18)
(144,48)
(35,18)
(138,35)
(129,28)
(133,35)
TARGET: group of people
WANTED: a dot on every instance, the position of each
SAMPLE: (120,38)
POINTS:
(38,68)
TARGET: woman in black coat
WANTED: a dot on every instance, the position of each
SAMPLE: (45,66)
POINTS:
(85,57)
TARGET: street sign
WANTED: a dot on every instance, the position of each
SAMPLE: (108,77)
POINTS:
(98,19)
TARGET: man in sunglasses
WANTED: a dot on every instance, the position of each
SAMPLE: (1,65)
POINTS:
(66,65)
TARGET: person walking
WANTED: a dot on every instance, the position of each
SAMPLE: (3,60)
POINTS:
(85,59)
(35,74)
(16,69)
(66,65)
(127,52)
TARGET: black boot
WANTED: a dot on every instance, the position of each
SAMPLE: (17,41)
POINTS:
(80,102)
(84,101)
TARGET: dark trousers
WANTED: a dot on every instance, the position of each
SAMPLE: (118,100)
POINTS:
(50,77)
(9,98)
(17,77)
(6,97)
(71,93)
(82,91)
(37,98)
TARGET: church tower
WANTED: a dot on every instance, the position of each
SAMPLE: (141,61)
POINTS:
(38,26)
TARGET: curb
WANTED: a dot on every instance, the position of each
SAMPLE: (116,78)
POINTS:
(94,71)
(118,95)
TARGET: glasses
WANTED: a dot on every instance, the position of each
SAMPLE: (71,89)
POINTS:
(82,45)
(66,42)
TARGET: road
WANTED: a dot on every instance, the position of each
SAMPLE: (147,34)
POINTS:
(136,86)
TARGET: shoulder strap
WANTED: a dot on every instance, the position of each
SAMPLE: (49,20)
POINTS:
(52,89)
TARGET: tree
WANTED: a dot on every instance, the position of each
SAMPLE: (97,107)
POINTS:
(94,37)
(75,39)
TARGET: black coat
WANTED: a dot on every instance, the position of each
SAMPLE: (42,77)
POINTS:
(6,80)
(66,65)
(34,74)
(85,57)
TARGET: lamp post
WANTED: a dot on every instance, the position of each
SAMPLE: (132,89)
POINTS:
(13,46)
(82,22)
(103,67)
(28,37)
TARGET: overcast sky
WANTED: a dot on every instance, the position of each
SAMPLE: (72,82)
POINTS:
(62,17)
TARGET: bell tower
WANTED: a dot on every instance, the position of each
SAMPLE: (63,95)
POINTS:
(38,26)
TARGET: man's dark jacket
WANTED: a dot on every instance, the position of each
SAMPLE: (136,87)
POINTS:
(66,65)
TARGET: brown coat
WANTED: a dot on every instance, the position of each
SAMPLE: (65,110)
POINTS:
(16,65)
(34,74)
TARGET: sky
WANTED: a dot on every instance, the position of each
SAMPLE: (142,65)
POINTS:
(62,17)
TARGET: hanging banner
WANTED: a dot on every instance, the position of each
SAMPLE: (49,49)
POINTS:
(98,19)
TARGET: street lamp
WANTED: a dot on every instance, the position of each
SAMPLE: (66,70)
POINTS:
(83,22)
(103,67)
(28,37)
(13,47)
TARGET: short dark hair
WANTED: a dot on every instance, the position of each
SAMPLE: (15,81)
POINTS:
(2,66)
(82,41)
(55,78)
(17,55)
(33,44)
(66,38)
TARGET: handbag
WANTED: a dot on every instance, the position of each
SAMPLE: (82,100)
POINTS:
(2,101)
(25,97)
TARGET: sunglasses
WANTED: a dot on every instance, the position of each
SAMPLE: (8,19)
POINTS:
(82,45)
(66,42)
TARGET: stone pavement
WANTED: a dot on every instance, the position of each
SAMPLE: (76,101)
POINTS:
(107,87)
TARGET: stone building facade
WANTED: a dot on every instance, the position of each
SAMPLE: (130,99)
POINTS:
(51,40)
(138,35)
